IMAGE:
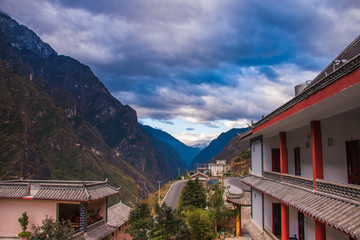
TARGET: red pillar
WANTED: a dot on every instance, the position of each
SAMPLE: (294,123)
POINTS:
(284,222)
(317,158)
(283,154)
(320,233)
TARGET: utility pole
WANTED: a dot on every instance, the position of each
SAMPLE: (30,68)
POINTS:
(179,171)
(159,191)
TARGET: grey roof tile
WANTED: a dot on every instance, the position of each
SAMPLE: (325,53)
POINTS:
(118,214)
(99,230)
(342,214)
(14,190)
(56,190)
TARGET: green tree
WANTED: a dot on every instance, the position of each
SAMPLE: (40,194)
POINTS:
(140,221)
(51,229)
(200,224)
(169,225)
(193,195)
(216,206)
(24,221)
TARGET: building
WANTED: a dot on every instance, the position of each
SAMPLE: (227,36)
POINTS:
(83,203)
(305,158)
(200,176)
(219,168)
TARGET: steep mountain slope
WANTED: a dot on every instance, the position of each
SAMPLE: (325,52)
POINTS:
(38,142)
(233,148)
(216,146)
(185,152)
(79,92)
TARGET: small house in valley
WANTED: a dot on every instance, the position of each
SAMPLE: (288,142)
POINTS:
(219,168)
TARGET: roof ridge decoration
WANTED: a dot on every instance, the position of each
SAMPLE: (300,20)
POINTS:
(86,192)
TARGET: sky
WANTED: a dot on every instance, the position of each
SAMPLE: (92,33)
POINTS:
(196,68)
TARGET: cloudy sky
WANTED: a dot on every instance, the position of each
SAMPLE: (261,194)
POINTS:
(196,68)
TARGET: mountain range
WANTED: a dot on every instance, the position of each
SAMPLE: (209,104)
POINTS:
(208,154)
(73,113)
(186,153)
(59,121)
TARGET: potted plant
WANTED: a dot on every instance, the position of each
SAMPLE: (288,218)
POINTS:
(24,221)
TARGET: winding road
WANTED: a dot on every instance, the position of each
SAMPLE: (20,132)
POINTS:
(172,196)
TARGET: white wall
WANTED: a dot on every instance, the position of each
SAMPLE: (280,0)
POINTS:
(293,222)
(257,207)
(333,234)
(268,201)
(256,158)
(269,143)
(309,228)
(334,157)
(298,139)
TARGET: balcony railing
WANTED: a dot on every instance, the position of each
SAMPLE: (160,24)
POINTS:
(298,180)
(343,190)
(273,175)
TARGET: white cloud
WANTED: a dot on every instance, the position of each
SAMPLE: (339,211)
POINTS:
(192,139)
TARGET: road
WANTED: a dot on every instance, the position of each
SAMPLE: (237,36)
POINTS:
(172,196)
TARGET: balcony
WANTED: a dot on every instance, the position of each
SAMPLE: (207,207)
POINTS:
(343,190)
(349,191)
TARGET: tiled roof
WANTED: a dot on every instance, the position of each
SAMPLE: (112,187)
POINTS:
(56,190)
(243,199)
(340,213)
(199,173)
(118,214)
(14,190)
(99,230)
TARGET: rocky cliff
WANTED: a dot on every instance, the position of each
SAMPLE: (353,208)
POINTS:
(96,120)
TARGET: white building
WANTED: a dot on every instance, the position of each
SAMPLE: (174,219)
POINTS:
(305,158)
(219,168)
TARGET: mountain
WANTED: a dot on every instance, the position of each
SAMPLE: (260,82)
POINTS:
(185,152)
(216,146)
(233,148)
(38,142)
(102,122)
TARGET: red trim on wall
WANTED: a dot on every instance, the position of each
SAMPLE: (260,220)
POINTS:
(336,87)
(283,154)
(316,146)
(284,222)
(320,232)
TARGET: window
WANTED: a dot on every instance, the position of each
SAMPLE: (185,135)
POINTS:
(275,159)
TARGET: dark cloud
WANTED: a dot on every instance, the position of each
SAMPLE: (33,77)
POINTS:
(269,73)
(206,60)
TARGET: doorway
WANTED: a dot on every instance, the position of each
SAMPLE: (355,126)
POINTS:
(276,219)
(275,159)
(301,229)
(353,161)
(297,161)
